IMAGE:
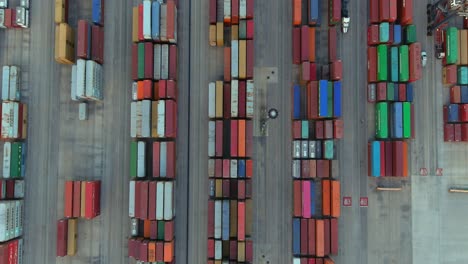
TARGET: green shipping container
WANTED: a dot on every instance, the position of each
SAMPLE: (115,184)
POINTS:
(406,120)
(305,129)
(133,159)
(330,99)
(329,146)
(381,120)
(384,34)
(462,75)
(403,62)
(141,60)
(390,91)
(394,64)
(15,160)
(410,34)
(382,62)
(451,42)
(160,230)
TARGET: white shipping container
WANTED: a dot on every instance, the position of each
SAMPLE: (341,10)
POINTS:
(234,98)
(212,100)
(218,249)
(81,79)
(312,149)
(138,119)
(3,3)
(18,222)
(165,62)
(131,199)
(235,58)
(146,118)
(141,162)
(157,62)
(227,10)
(73,83)
(133,119)
(163,22)
(250,99)
(15,120)
(7,119)
(160,201)
(19,189)
(161,118)
(93,80)
(296,168)
(22,17)
(146,19)
(24,3)
(168,201)
(11,219)
(296,149)
(243,9)
(296,261)
(163,159)
(211,138)
(5,82)
(217,220)
(175,27)
(6,160)
(305,149)
(233,169)
(2,18)
(15,94)
(134,91)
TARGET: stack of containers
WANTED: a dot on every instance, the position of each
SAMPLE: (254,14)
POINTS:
(230,138)
(317,125)
(82,199)
(154,130)
(17,17)
(393,65)
(64,35)
(13,134)
(455,76)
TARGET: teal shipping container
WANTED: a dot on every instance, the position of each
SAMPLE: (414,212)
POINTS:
(390,91)
(384,32)
(328,149)
(305,129)
(394,64)
(462,75)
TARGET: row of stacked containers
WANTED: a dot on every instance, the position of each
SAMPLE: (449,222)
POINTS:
(455,76)
(153,130)
(393,65)
(13,135)
(230,138)
(316,126)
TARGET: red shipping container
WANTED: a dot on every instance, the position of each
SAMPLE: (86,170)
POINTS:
(449,132)
(373,34)
(392,11)
(83,40)
(218,138)
(401,92)
(449,74)
(153,230)
(241,221)
(381,91)
(296,131)
(159,251)
(227,64)
(213,11)
(323,167)
(10,189)
(76,199)
(334,236)
(250,8)
(305,71)
(463,113)
(172,62)
(406,12)
(338,128)
(248,138)
(241,189)
(332,47)
(234,138)
(415,66)
(382,158)
(455,94)
(313,100)
(457,132)
(445,113)
(248,188)
(135,61)
(152,200)
(388,158)
(311,236)
(226,168)
(97,48)
(8,18)
(211,245)
(143,250)
(397,158)
(171,23)
(144,200)
(242,99)
(384,10)
(305,43)
(250,29)
(168,231)
(68,199)
(336,70)
(328,129)
(211,218)
(140,22)
(297,195)
(296,45)
(250,59)
(147,91)
(148,74)
(62,238)
(373,11)
(249,168)
(304,239)
(160,89)
(305,169)
(171,90)
(313,168)
(218,168)
(327,236)
(313,72)
(171,119)
(235,11)
(319,129)
(371,64)
(464,132)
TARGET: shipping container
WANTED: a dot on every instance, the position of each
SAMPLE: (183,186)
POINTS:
(372,64)
(405,12)
(61,11)
(98,12)
(334,12)
(332,40)
(83,49)
(451,45)
(62,238)
(381,119)
(415,67)
(382,62)
(71,237)
(297,12)
(97,47)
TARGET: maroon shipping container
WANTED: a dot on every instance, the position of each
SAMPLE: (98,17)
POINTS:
(131,251)
(296,45)
(304,239)
(401,92)
(227,64)
(10,191)
(313,72)
(235,11)
(171,159)
(388,158)
(153,230)
(213,11)
(62,237)
(336,70)
(233,250)
(392,11)
(144,200)
(234,138)
(97,48)
(415,66)
(248,251)
(161,87)
(323,168)
(241,189)
(250,8)
(169,231)
(211,246)
(455,94)
(328,129)
(297,196)
(159,251)
(449,132)
(250,29)
(248,188)
(248,138)
(226,188)
(334,236)
(76,198)
(381,91)
(226,168)
(397,158)
(173,62)
(305,39)
(296,129)
(384,10)
(152,200)
(312,168)
(83,40)
(218,168)
(334,13)
(338,128)
(227,100)
(445,113)
(319,130)
(250,59)
(305,71)
(457,132)
(332,47)
(327,236)
(313,100)
(211,218)
(371,64)
(305,169)
(464,131)
(156,159)
(242,99)
(171,89)
(373,34)
(171,119)
(463,113)
(148,73)
(135,61)
(219,139)
(311,234)
(138,199)
(144,250)
(373,11)
(405,12)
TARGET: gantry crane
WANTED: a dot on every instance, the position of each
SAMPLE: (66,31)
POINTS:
(440,12)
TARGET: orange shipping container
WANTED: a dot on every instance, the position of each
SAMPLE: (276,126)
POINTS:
(68,207)
(152,252)
(326,197)
(220,34)
(405,159)
(328,261)
(168,251)
(241,138)
(335,199)
(146,228)
(297,15)
(312,44)
(319,238)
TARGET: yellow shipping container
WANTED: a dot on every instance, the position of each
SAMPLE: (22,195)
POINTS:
(220,34)
(60,11)
(135,24)
(64,44)
(235,32)
(71,239)
(242,59)
(463,46)
(213,35)
(241,251)
(219,99)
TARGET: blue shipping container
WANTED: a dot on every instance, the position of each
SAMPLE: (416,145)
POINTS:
(397,120)
(409,92)
(337,99)
(296,236)
(323,94)
(453,113)
(155,20)
(98,12)
(375,160)
(225,219)
(241,168)
(396,34)
(297,102)
(394,64)
(312,198)
(314,12)
(464,94)
(318,150)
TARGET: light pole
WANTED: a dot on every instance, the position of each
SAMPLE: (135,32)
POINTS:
(271,114)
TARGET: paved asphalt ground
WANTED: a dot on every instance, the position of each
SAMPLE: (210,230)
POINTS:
(421,224)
